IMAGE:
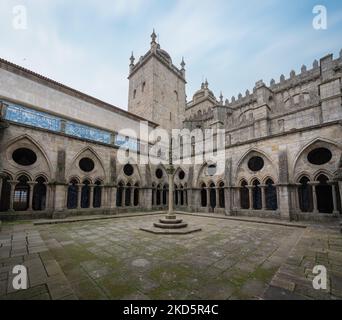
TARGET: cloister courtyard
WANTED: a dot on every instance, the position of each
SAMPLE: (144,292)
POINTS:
(109,257)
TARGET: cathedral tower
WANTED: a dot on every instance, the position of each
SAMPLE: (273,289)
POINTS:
(157,88)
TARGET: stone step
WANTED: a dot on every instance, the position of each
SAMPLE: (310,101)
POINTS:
(170,226)
(170,221)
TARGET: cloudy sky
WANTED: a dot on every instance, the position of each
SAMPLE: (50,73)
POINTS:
(86,44)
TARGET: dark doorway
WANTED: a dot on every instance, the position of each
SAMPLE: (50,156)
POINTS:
(212,196)
(165,196)
(244,195)
(221,196)
(72,195)
(203,196)
(128,195)
(158,195)
(39,195)
(5,194)
(324,195)
(305,195)
(97,195)
(85,195)
(119,194)
(257,201)
(271,195)
(136,195)
(21,194)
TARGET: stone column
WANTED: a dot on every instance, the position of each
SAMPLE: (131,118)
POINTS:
(333,190)
(208,198)
(250,190)
(132,197)
(296,196)
(31,184)
(79,196)
(91,200)
(284,201)
(314,195)
(263,196)
(60,197)
(123,197)
(171,195)
(13,184)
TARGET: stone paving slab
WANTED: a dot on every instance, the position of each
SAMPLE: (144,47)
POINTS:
(113,259)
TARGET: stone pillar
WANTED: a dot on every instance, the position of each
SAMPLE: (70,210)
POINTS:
(91,200)
(170,174)
(132,197)
(60,197)
(284,201)
(79,196)
(296,196)
(250,190)
(48,195)
(123,197)
(31,184)
(217,190)
(263,196)
(13,184)
(333,190)
(314,195)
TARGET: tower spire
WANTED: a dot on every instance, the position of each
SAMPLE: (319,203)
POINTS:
(153,37)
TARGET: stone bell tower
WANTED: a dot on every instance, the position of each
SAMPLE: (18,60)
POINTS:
(157,88)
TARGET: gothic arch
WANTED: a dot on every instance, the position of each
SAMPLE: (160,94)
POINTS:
(300,162)
(25,141)
(87,152)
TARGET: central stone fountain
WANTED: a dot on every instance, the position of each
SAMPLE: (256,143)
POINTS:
(170,224)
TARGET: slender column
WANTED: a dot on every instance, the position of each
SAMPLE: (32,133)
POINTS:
(124,197)
(132,196)
(297,204)
(263,196)
(333,190)
(170,173)
(250,190)
(79,195)
(31,184)
(13,184)
(217,194)
(91,204)
(314,195)
(236,198)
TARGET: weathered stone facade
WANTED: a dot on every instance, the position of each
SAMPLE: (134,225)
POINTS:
(283,142)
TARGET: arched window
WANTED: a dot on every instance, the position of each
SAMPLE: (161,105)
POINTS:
(72,195)
(203,195)
(244,195)
(97,195)
(305,195)
(185,194)
(221,196)
(271,195)
(136,195)
(257,202)
(324,195)
(39,195)
(21,194)
(128,195)
(5,194)
(119,194)
(212,196)
(85,195)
